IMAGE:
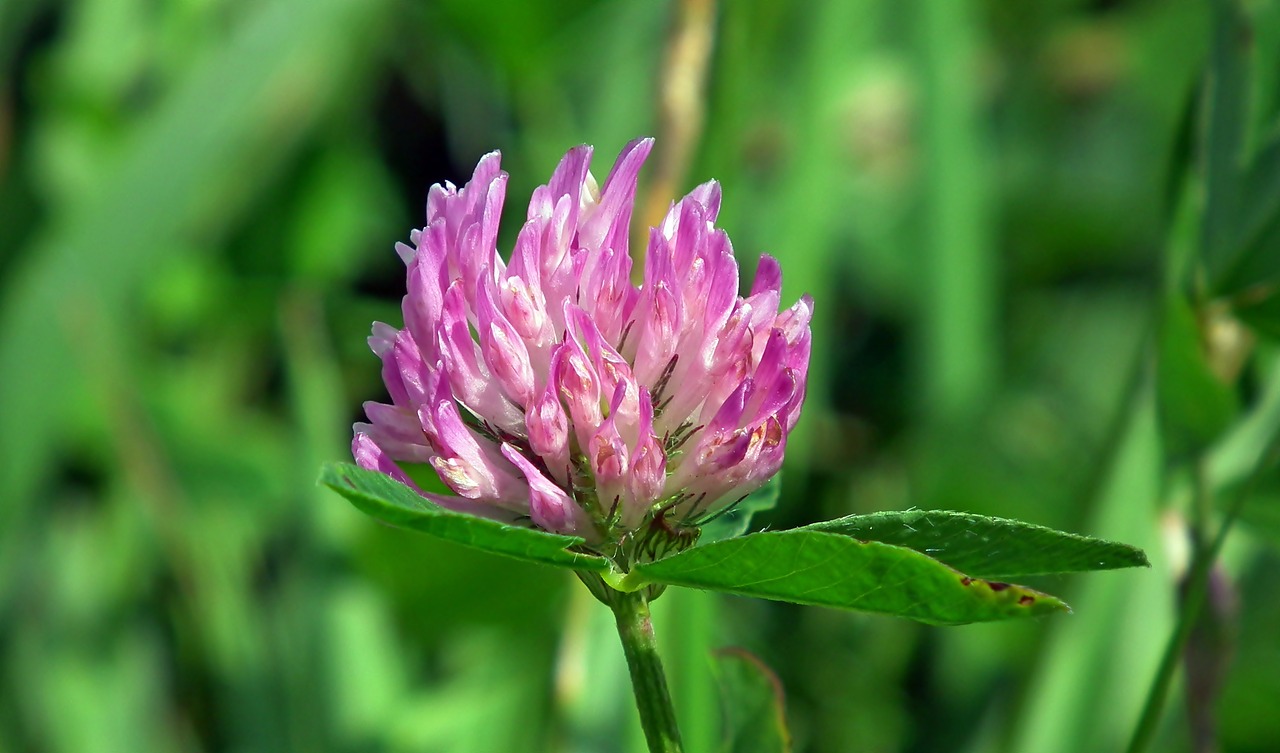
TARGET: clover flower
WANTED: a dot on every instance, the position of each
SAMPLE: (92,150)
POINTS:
(550,389)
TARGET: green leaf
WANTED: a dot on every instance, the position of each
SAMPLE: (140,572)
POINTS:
(1195,405)
(735,521)
(387,500)
(754,707)
(830,570)
(987,547)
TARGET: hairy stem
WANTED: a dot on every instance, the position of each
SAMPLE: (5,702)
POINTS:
(657,715)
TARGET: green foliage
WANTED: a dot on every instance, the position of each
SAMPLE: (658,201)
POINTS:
(392,502)
(987,547)
(1226,106)
(1260,216)
(1256,281)
(753,704)
(887,563)
(1242,185)
(826,569)
(1261,311)
(1196,406)
(199,201)
(737,520)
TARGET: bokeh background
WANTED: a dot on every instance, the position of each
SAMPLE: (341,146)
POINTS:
(198,202)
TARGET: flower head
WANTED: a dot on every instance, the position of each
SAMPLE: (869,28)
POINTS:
(551,390)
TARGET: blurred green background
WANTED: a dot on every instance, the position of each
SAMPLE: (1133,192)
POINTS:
(198,202)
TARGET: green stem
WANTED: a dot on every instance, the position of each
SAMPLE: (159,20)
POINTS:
(1205,553)
(1197,582)
(635,628)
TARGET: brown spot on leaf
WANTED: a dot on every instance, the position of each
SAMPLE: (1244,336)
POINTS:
(997,585)
(1027,601)
(966,580)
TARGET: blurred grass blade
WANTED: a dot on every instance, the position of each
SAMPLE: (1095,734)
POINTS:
(594,707)
(394,503)
(987,547)
(1085,693)
(830,570)
(1262,312)
(183,170)
(754,706)
(1225,117)
(1233,459)
(1196,406)
(689,624)
(958,336)
(1260,206)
